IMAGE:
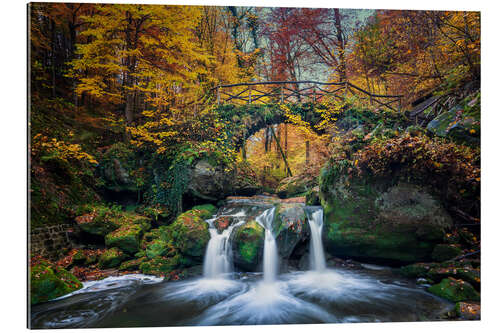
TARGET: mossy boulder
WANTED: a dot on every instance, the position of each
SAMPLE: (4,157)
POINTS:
(126,238)
(373,219)
(98,223)
(48,282)
(131,265)
(189,233)
(290,227)
(443,252)
(111,258)
(160,266)
(458,124)
(157,247)
(248,243)
(205,211)
(455,290)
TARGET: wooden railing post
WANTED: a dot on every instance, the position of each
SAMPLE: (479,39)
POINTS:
(249,94)
(282,93)
(218,95)
(314,94)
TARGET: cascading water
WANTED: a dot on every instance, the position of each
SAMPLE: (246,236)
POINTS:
(218,256)
(270,248)
(317,296)
(317,255)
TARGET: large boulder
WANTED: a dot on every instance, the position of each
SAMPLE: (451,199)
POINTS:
(372,219)
(111,258)
(189,234)
(290,227)
(213,182)
(48,282)
(98,222)
(248,243)
(126,238)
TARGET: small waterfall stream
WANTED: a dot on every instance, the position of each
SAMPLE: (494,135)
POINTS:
(270,248)
(317,254)
(319,295)
(218,255)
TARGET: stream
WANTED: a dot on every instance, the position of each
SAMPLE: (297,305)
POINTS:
(225,296)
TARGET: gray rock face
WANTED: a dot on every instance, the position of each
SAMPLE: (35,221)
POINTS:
(208,182)
(213,183)
(406,204)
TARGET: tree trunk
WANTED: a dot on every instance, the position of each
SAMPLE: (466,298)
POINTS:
(341,44)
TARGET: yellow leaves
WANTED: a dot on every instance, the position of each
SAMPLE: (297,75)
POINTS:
(59,149)
(472,131)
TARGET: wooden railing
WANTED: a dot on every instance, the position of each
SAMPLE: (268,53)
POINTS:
(291,91)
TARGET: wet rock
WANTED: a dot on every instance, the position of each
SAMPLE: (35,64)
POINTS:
(290,227)
(248,243)
(455,290)
(223,222)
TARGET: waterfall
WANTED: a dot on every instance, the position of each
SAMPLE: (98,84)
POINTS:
(218,256)
(270,248)
(317,255)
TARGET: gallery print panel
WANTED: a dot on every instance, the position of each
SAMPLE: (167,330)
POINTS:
(225,165)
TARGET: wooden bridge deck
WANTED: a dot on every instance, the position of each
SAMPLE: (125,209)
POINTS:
(291,91)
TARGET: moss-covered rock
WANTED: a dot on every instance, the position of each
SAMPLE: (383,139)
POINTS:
(160,266)
(443,252)
(374,219)
(189,233)
(205,211)
(290,227)
(126,238)
(99,222)
(48,282)
(111,258)
(455,290)
(247,245)
(438,271)
(157,247)
(458,124)
(131,265)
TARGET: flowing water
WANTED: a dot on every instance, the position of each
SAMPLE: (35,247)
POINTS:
(317,257)
(270,248)
(223,296)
